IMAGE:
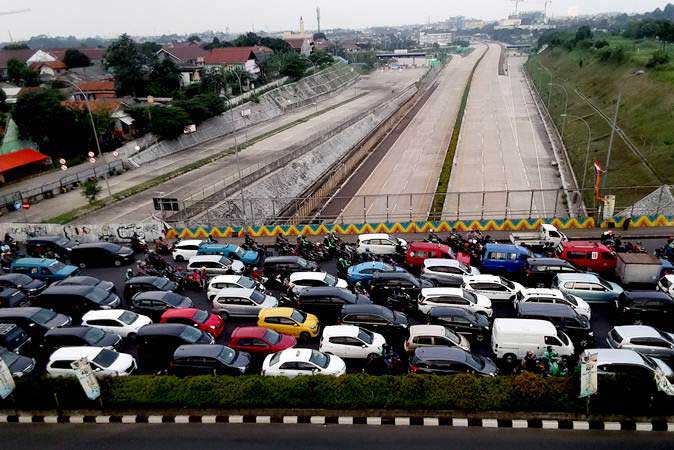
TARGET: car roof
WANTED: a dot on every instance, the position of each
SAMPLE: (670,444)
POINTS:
(152,295)
(341,330)
(276,312)
(325,290)
(68,331)
(225,279)
(282,259)
(104,314)
(422,245)
(577,276)
(205,350)
(631,331)
(22,311)
(393,275)
(370,264)
(7,327)
(546,309)
(542,292)
(441,352)
(367,309)
(95,245)
(234,292)
(441,262)
(584,245)
(495,247)
(427,330)
(187,313)
(75,353)
(33,261)
(435,291)
(205,258)
(308,276)
(53,238)
(450,311)
(70,289)
(149,279)
(366,236)
(295,354)
(13,276)
(548,262)
(523,326)
(190,242)
(651,295)
(615,356)
(481,278)
(249,332)
(173,329)
(80,280)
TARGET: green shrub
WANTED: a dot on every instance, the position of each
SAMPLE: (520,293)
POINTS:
(658,58)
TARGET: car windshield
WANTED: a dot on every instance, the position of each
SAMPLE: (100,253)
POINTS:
(452,336)
(275,359)
(128,317)
(105,358)
(10,358)
(470,296)
(507,283)
(464,268)
(272,336)
(666,337)
(227,355)
(43,316)
(649,361)
(302,262)
(330,280)
(56,266)
(97,295)
(319,359)
(605,284)
(298,316)
(562,337)
(365,336)
(257,297)
(21,280)
(570,298)
(200,316)
(246,282)
(161,283)
(94,335)
(387,268)
(173,299)
(191,335)
(239,252)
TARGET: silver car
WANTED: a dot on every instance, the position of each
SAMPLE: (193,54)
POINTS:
(642,339)
(446,272)
(241,303)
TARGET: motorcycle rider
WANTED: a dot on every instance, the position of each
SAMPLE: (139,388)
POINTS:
(128,274)
(529,363)
(433,237)
(342,267)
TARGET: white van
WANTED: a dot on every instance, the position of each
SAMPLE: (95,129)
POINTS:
(511,339)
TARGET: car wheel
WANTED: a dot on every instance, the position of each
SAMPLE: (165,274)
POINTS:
(82,265)
(180,258)
(510,359)
(371,357)
(117,263)
(304,336)
(224,315)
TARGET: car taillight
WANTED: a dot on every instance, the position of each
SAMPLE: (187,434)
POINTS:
(414,369)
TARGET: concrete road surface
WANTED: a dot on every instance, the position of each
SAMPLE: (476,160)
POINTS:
(291,437)
(502,147)
(414,162)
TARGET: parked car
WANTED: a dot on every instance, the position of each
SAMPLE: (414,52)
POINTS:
(186,249)
(588,255)
(386,285)
(563,317)
(11,298)
(462,321)
(119,321)
(248,257)
(434,336)
(450,360)
(289,321)
(18,365)
(642,339)
(631,367)
(48,270)
(215,265)
(14,339)
(418,252)
(221,282)
(198,318)
(326,302)
(443,272)
(260,340)
(80,280)
(79,337)
(283,266)
(241,303)
(553,296)
(458,297)
(200,359)
(351,342)
(29,286)
(666,284)
(505,258)
(302,361)
(76,300)
(100,254)
(157,342)
(540,272)
(494,287)
(380,244)
(364,272)
(302,280)
(154,303)
(643,307)
(547,236)
(34,321)
(104,362)
(511,339)
(376,318)
(60,246)
(148,283)
(588,286)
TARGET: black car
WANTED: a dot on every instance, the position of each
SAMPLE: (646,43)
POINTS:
(11,298)
(148,283)
(100,254)
(157,342)
(326,302)
(45,245)
(76,300)
(473,326)
(34,321)
(79,337)
(564,317)
(282,266)
(450,360)
(14,338)
(539,272)
(376,318)
(644,307)
(154,303)
(397,290)
(204,359)
(29,286)
(81,280)
(18,365)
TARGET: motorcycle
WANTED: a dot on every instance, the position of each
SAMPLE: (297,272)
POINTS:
(388,363)
(162,248)
(138,244)
(188,281)
(250,244)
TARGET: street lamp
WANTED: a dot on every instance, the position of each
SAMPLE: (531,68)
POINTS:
(238,165)
(587,150)
(550,83)
(566,103)
(93,127)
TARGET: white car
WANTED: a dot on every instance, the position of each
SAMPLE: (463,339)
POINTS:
(446,272)
(300,280)
(666,284)
(184,250)
(553,296)
(457,297)
(434,336)
(104,362)
(232,282)
(379,244)
(215,265)
(492,286)
(350,341)
(119,321)
(241,303)
(293,362)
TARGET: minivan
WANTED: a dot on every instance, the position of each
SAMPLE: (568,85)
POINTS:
(79,337)
(326,302)
(34,321)
(75,301)
(158,342)
(504,258)
(100,254)
(643,307)
(541,271)
(511,339)
(233,252)
(241,303)
(58,245)
(587,255)
(563,317)
(48,270)
(418,252)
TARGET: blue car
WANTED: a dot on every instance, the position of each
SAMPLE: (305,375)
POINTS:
(233,252)
(364,272)
(48,270)
(504,258)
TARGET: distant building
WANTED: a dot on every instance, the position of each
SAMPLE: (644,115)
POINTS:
(405,58)
(32,56)
(95,90)
(242,58)
(473,24)
(303,46)
(189,57)
(49,68)
(442,39)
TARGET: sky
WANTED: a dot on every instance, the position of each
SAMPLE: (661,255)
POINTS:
(83,18)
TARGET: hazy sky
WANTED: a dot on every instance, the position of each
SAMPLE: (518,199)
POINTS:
(147,17)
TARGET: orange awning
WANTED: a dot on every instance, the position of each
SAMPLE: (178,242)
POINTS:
(20,158)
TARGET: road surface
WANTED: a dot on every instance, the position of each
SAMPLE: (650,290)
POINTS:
(502,147)
(413,163)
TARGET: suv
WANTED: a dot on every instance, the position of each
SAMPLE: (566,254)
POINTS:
(563,317)
(462,321)
(450,360)
(58,245)
(215,265)
(642,339)
(460,298)
(154,303)
(100,254)
(184,250)
(446,272)
(541,271)
(79,337)
(380,244)
(144,284)
(158,342)
(76,300)
(14,338)
(434,336)
(34,321)
(283,266)
(241,303)
(492,286)
(48,270)
(326,302)
(22,282)
(553,296)
(641,307)
(378,319)
(204,359)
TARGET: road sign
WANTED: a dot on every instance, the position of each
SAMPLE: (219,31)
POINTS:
(6,380)
(166,204)
(25,204)
(62,161)
(588,375)
(64,167)
(609,207)
(92,160)
(87,378)
(189,129)
(91,154)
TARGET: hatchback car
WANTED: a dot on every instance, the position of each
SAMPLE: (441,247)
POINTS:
(119,321)
(449,361)
(302,361)
(446,272)
(11,298)
(461,321)
(351,342)
(540,272)
(203,320)
(434,336)
(76,300)
(260,340)
(588,286)
(148,283)
(380,244)
(364,272)
(376,318)
(215,265)
(642,339)
(643,307)
(283,266)
(241,303)
(79,337)
(104,362)
(154,303)
(38,247)
(326,302)
(100,254)
(302,280)
(29,286)
(588,255)
(200,359)
(18,365)
(234,252)
(493,287)
(80,280)
(553,296)
(632,367)
(289,321)
(34,321)
(220,282)
(48,270)
(157,342)
(184,250)
(457,297)
(418,252)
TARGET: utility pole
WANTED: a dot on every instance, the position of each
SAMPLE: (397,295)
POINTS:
(517,4)
(318,18)
(610,142)
(545,11)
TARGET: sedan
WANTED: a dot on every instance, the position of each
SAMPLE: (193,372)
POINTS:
(29,286)
(107,286)
(302,361)
(118,321)
(205,321)
(364,272)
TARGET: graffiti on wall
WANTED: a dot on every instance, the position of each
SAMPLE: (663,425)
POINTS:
(87,233)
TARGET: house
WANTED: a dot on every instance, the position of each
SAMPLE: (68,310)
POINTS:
(303,46)
(95,90)
(7,55)
(11,92)
(48,68)
(31,56)
(189,57)
(18,157)
(114,107)
(242,58)
(262,53)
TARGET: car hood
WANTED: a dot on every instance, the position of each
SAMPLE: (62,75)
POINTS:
(464,344)
(122,363)
(615,287)
(483,301)
(238,266)
(186,303)
(141,321)
(242,360)
(336,366)
(582,304)
(67,271)
(125,251)
(474,271)
(213,321)
(112,301)
(60,320)
(106,285)
(34,285)
(378,340)
(400,318)
(482,321)
(250,256)
(425,283)
(489,367)
(269,302)
(518,286)
(342,283)
(22,366)
(666,370)
(311,321)
(287,341)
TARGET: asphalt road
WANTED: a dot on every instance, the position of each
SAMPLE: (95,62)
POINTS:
(291,437)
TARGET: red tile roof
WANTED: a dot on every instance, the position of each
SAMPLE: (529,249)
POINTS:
(296,43)
(56,65)
(230,55)
(97,86)
(21,55)
(94,53)
(186,52)
(98,105)
(20,158)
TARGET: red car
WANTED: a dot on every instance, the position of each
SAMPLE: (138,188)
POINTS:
(591,256)
(259,340)
(419,251)
(208,323)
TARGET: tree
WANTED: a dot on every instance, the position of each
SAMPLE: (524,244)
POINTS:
(295,66)
(17,70)
(128,64)
(320,57)
(16,46)
(164,78)
(194,38)
(213,80)
(90,189)
(169,122)
(75,58)
(320,37)
(583,32)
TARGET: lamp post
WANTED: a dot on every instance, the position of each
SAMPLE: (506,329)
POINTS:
(587,150)
(238,166)
(566,104)
(550,83)
(93,127)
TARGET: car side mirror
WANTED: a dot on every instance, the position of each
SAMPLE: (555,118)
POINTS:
(364,345)
(295,325)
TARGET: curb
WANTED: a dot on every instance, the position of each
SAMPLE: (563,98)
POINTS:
(623,425)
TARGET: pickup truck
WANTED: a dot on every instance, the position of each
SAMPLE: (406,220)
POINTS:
(547,236)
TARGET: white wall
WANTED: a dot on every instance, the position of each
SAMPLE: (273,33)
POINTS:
(85,233)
